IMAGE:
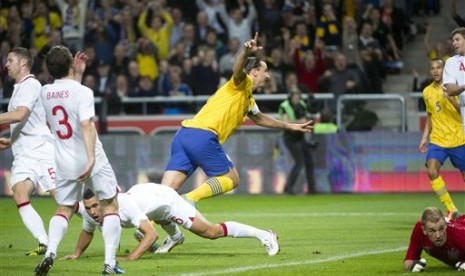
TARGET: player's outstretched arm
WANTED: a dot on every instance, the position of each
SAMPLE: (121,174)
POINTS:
(453,89)
(270,122)
(85,238)
(79,65)
(150,236)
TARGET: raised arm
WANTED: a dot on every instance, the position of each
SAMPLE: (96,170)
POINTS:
(250,47)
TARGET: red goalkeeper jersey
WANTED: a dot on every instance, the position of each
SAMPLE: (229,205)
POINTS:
(450,253)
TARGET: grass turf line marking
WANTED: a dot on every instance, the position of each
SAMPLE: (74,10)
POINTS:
(269,266)
(318,214)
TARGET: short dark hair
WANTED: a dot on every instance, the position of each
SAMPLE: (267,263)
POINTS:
(24,53)
(59,60)
(252,63)
(88,194)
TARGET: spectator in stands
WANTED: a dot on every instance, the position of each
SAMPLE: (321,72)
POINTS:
(176,88)
(146,58)
(73,14)
(188,39)
(212,42)
(124,25)
(133,76)
(294,110)
(92,62)
(309,65)
(279,63)
(236,24)
(159,31)
(395,19)
(459,19)
(227,60)
(201,27)
(211,7)
(17,34)
(269,19)
(205,73)
(105,79)
(339,80)
(383,33)
(102,38)
(350,40)
(44,22)
(120,61)
(372,61)
(329,29)
(178,26)
(54,38)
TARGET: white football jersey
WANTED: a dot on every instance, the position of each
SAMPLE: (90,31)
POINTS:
(454,72)
(29,136)
(67,103)
(154,200)
(129,212)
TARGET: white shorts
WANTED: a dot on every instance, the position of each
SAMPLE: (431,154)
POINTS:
(180,211)
(103,184)
(40,171)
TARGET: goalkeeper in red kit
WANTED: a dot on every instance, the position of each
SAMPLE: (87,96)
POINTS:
(442,240)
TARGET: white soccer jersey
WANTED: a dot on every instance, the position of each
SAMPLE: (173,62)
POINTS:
(67,103)
(29,137)
(130,214)
(454,72)
(147,201)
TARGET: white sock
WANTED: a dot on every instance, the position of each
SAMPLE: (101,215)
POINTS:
(57,229)
(172,230)
(111,232)
(33,222)
(239,230)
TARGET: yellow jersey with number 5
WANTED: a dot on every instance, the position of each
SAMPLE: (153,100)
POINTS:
(446,123)
(225,111)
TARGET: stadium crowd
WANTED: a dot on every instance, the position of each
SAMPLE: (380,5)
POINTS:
(141,48)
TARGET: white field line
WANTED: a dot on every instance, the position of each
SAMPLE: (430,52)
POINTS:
(279,265)
(309,214)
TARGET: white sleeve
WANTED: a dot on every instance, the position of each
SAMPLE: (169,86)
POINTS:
(255,110)
(130,214)
(86,105)
(448,76)
(29,94)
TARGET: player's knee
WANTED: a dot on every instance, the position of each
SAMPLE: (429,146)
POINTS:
(433,173)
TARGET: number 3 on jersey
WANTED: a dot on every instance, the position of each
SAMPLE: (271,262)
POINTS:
(60,112)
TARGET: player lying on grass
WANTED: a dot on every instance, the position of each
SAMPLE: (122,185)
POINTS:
(162,204)
(442,240)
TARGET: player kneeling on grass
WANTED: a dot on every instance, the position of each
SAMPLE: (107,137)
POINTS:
(154,202)
(442,240)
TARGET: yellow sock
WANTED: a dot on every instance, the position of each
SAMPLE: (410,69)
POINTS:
(439,186)
(212,187)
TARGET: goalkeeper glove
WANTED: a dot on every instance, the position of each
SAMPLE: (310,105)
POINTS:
(418,265)
(460,266)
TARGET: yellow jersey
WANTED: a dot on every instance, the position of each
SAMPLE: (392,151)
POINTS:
(226,110)
(445,120)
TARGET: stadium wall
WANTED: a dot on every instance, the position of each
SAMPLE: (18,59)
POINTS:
(353,162)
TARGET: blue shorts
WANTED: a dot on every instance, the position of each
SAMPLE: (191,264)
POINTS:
(456,155)
(192,148)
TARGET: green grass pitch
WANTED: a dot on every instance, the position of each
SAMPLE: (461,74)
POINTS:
(342,234)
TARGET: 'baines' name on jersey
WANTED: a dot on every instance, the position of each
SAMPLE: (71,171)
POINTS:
(58,95)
